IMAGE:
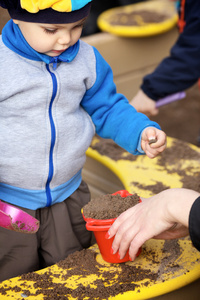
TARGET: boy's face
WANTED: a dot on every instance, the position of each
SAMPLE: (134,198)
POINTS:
(51,39)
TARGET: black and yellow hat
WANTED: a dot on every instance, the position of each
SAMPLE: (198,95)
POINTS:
(47,11)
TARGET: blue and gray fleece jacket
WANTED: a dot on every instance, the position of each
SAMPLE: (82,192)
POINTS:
(50,108)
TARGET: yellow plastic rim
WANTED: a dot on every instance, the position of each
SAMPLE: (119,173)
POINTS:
(163,7)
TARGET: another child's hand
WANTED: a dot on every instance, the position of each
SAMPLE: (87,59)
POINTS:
(142,103)
(153,141)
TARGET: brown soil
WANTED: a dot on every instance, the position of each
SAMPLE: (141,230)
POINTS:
(83,263)
(18,226)
(109,206)
(179,149)
(137,18)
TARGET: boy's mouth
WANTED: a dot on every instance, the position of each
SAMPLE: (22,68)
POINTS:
(58,51)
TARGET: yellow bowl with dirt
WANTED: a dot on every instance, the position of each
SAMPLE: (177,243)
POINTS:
(139,20)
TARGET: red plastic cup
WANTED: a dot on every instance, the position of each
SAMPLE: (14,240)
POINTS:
(100,228)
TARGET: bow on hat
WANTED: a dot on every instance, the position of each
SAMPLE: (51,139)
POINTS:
(47,11)
(33,6)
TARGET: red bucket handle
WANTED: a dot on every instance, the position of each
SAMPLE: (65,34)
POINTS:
(99,225)
(97,222)
(91,227)
(123,193)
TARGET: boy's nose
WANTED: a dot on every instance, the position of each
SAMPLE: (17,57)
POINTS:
(65,39)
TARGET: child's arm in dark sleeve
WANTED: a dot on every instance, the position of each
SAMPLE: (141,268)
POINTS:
(181,69)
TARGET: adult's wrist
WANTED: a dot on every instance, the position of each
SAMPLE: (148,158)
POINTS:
(179,205)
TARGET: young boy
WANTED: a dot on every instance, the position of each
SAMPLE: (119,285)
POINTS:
(56,91)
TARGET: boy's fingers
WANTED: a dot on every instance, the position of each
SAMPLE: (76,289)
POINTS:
(155,147)
(152,140)
(158,141)
(154,137)
(153,152)
(149,134)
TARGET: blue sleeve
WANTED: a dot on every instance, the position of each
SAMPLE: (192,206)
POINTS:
(111,113)
(181,69)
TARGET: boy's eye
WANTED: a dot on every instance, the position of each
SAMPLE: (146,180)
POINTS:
(50,31)
(79,26)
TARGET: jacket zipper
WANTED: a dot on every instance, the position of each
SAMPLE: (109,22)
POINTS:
(53,138)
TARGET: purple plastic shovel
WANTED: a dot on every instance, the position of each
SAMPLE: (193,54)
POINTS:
(167,100)
(16,219)
(171,98)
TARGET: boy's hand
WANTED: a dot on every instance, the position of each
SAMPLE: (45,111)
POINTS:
(142,103)
(153,141)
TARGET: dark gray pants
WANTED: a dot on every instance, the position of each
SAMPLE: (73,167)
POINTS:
(62,231)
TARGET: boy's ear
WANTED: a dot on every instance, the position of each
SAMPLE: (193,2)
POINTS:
(16,21)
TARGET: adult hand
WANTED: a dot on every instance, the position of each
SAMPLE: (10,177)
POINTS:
(163,216)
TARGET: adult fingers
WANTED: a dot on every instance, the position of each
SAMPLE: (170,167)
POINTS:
(123,238)
(115,226)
